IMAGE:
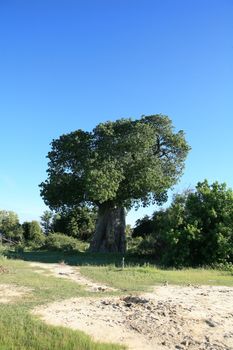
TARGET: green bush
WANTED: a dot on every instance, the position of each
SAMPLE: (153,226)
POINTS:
(10,226)
(223,267)
(195,230)
(33,235)
(2,249)
(59,241)
(133,244)
(141,246)
(78,222)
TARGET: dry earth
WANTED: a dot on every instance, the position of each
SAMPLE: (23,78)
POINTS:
(65,271)
(3,269)
(10,293)
(172,317)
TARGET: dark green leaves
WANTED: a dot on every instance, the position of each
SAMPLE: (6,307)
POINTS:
(122,162)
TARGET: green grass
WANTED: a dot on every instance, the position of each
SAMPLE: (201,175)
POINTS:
(19,330)
(141,278)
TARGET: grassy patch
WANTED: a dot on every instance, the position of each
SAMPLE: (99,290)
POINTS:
(20,330)
(140,278)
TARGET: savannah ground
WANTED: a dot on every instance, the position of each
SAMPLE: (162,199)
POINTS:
(53,304)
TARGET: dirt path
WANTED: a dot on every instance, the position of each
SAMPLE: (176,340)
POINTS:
(72,273)
(185,318)
(10,293)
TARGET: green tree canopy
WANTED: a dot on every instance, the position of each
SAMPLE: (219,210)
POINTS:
(117,165)
(32,233)
(77,222)
(46,221)
(143,227)
(197,228)
(10,226)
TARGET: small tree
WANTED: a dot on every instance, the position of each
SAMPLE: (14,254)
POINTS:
(32,233)
(46,221)
(10,226)
(116,166)
(77,222)
(210,210)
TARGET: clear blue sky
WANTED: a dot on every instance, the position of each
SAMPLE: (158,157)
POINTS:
(69,64)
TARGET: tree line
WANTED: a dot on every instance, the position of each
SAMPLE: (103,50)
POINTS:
(95,177)
(78,224)
(196,229)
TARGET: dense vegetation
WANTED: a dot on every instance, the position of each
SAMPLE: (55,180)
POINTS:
(114,167)
(94,177)
(196,229)
(70,230)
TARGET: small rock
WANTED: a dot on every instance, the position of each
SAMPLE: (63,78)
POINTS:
(211,323)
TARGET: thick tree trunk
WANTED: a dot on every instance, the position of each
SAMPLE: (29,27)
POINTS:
(109,234)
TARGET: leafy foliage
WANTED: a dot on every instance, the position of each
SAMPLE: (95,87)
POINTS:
(125,162)
(32,232)
(46,221)
(114,167)
(143,227)
(197,229)
(77,222)
(10,226)
(59,241)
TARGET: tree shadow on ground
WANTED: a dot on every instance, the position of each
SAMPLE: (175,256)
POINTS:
(78,258)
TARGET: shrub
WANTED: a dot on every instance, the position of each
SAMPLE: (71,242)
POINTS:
(78,222)
(223,267)
(2,249)
(196,230)
(133,245)
(143,227)
(59,241)
(33,235)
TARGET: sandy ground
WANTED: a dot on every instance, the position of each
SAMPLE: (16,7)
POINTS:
(65,271)
(10,293)
(171,317)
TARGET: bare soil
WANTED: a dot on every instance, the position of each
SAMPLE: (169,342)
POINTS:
(3,269)
(72,273)
(10,293)
(171,317)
